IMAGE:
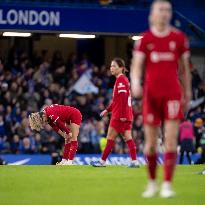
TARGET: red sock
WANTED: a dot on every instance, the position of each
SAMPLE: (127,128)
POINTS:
(73,150)
(108,149)
(169,165)
(152,165)
(66,151)
(132,148)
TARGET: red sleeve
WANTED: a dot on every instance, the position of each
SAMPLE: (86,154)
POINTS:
(109,108)
(140,46)
(122,91)
(54,126)
(123,104)
(56,121)
(184,51)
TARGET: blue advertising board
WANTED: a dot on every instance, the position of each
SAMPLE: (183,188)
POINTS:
(71,19)
(80,159)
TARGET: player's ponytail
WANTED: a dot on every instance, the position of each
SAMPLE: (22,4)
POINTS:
(121,63)
(36,121)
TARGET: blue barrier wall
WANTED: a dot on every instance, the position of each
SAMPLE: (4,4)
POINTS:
(82,159)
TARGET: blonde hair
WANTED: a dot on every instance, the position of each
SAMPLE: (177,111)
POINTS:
(36,121)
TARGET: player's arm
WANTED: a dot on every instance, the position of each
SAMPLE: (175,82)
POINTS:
(136,71)
(57,130)
(186,76)
(123,99)
(109,107)
(107,110)
(59,124)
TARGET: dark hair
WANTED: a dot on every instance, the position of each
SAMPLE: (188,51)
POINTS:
(121,63)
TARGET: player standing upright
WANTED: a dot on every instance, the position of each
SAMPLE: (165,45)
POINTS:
(122,114)
(66,121)
(159,52)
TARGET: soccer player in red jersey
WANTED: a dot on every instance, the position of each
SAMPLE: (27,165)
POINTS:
(66,121)
(159,51)
(122,114)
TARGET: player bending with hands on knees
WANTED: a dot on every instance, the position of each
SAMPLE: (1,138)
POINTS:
(122,114)
(66,121)
(156,55)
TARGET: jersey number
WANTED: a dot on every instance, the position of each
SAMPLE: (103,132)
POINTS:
(129,101)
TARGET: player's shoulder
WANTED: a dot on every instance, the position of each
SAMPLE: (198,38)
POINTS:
(122,79)
(175,31)
(145,38)
(146,33)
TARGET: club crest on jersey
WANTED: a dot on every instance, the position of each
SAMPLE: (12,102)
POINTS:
(150,46)
(121,85)
(172,45)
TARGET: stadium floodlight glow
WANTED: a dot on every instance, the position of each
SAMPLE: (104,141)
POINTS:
(135,38)
(16,34)
(82,36)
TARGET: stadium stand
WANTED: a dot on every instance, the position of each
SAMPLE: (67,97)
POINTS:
(27,84)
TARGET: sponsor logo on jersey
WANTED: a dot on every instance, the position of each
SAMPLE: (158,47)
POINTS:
(172,45)
(156,57)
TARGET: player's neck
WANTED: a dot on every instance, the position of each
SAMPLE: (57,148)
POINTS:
(160,30)
(118,75)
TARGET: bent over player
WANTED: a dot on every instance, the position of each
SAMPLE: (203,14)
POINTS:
(159,52)
(122,114)
(66,121)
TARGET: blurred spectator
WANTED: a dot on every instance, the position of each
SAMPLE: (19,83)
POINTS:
(27,146)
(15,144)
(186,137)
(201,160)
(198,131)
(97,132)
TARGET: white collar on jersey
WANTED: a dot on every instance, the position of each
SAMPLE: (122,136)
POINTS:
(156,33)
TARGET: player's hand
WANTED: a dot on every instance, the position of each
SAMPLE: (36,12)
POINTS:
(70,135)
(136,89)
(123,119)
(66,136)
(103,113)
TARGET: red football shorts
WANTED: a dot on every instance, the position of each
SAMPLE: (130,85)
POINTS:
(158,109)
(76,117)
(120,127)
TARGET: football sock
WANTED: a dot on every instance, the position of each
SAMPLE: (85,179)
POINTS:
(66,151)
(169,165)
(73,150)
(108,149)
(132,149)
(152,165)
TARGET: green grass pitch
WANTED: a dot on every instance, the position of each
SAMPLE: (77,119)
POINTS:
(85,185)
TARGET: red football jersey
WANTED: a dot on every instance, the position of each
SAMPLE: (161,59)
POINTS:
(162,54)
(121,105)
(59,116)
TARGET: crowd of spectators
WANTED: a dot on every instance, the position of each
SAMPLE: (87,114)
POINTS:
(27,84)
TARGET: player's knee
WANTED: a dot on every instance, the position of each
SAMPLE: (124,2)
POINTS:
(110,137)
(170,146)
(150,149)
(126,138)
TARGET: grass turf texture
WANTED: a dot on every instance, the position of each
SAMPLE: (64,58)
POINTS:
(85,185)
